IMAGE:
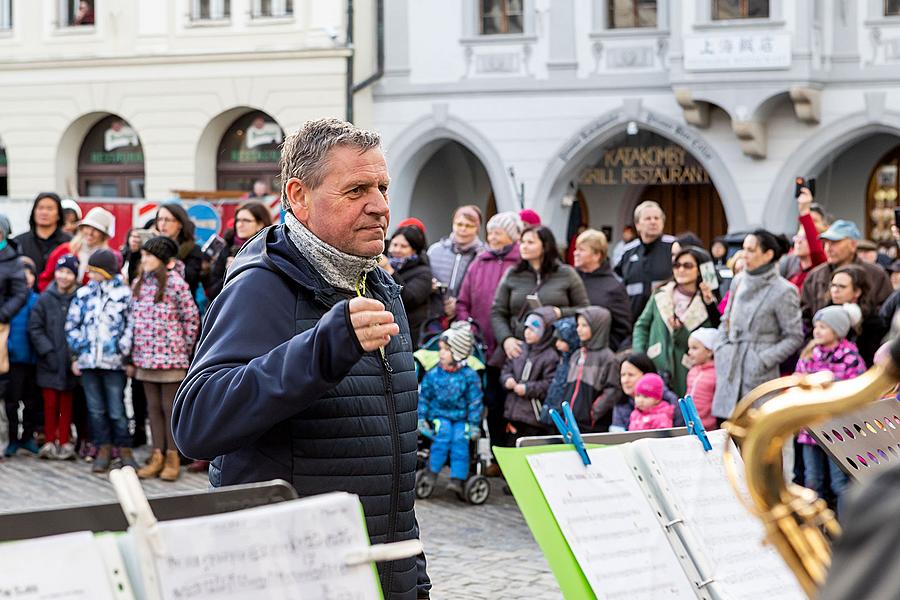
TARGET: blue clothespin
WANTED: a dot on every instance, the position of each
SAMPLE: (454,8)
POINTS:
(693,422)
(568,429)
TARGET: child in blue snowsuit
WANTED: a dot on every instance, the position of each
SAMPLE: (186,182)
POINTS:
(450,408)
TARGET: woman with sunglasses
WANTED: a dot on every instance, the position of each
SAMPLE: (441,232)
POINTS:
(761,324)
(675,310)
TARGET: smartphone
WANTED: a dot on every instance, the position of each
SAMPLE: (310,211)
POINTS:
(708,273)
(804,182)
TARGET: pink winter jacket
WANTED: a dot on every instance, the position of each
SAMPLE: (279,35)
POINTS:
(164,332)
(476,296)
(701,386)
(658,417)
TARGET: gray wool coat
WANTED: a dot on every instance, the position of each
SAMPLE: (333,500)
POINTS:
(760,329)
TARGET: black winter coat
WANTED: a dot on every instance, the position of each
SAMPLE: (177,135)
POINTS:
(643,267)
(47,331)
(193,258)
(415,277)
(603,289)
(38,249)
(13,289)
(298,399)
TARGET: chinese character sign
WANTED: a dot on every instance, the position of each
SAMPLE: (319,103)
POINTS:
(735,51)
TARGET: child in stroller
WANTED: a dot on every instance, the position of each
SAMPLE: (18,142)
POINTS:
(450,414)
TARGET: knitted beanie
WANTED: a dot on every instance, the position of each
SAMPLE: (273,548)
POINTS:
(508,222)
(5,227)
(529,217)
(69,262)
(460,341)
(104,262)
(706,336)
(837,319)
(412,222)
(162,247)
(650,385)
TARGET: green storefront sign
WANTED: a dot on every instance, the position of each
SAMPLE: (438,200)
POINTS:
(255,156)
(116,158)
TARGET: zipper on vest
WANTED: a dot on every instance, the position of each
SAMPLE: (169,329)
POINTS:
(395,487)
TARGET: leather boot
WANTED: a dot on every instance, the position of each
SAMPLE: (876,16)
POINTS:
(126,455)
(172,468)
(101,463)
(153,468)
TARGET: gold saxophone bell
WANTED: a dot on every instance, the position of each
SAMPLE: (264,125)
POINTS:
(797,522)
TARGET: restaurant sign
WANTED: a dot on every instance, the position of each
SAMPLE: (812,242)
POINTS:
(645,165)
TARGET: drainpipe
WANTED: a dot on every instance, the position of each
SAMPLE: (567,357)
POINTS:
(352,88)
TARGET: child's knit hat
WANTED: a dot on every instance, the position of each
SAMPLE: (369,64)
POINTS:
(104,262)
(840,318)
(69,262)
(162,247)
(706,336)
(460,341)
(650,385)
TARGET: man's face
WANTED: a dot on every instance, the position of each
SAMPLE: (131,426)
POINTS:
(840,252)
(650,224)
(349,210)
(869,256)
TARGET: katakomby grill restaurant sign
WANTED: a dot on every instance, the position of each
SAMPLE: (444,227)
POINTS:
(645,165)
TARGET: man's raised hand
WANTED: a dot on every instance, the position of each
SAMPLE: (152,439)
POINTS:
(372,324)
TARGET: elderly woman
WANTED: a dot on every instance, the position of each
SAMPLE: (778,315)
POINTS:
(674,311)
(591,258)
(450,258)
(406,264)
(761,325)
(540,279)
(476,296)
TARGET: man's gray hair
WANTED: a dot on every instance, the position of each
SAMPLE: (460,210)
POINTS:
(644,205)
(304,154)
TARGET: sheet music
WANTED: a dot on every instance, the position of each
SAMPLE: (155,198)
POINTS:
(610,527)
(696,488)
(78,571)
(293,549)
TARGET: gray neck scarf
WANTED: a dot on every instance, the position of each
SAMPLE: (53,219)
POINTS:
(338,268)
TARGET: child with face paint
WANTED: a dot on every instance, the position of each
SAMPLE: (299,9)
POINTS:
(528,376)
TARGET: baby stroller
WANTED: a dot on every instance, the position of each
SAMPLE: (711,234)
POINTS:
(476,488)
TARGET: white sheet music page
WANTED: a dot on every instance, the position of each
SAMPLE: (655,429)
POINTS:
(730,538)
(293,549)
(610,527)
(68,567)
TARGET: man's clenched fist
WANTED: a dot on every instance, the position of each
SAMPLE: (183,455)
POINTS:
(372,324)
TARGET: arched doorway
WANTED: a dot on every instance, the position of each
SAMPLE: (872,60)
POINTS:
(249,151)
(882,196)
(4,187)
(111,160)
(451,177)
(632,168)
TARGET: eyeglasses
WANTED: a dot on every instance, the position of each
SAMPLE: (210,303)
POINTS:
(687,266)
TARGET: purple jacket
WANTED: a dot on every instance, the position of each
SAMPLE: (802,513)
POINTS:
(843,361)
(476,296)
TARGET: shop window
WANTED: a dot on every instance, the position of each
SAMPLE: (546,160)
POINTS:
(892,8)
(883,197)
(272,8)
(723,10)
(111,161)
(249,151)
(210,10)
(76,13)
(501,16)
(631,13)
(5,15)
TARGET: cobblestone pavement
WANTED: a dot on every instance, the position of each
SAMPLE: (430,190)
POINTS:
(474,552)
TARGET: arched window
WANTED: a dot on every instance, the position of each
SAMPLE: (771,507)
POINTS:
(249,151)
(111,161)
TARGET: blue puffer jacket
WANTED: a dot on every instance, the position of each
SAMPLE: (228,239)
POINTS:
(565,330)
(281,388)
(21,352)
(453,396)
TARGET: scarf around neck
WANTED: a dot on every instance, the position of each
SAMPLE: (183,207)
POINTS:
(338,268)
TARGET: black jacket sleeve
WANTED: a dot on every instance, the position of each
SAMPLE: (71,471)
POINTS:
(17,291)
(251,372)
(42,343)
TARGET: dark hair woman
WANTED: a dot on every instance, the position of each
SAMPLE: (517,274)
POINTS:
(173,222)
(249,219)
(633,367)
(540,279)
(675,310)
(850,285)
(408,266)
(45,232)
(761,324)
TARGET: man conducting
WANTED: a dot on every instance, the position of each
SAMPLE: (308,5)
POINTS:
(304,369)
